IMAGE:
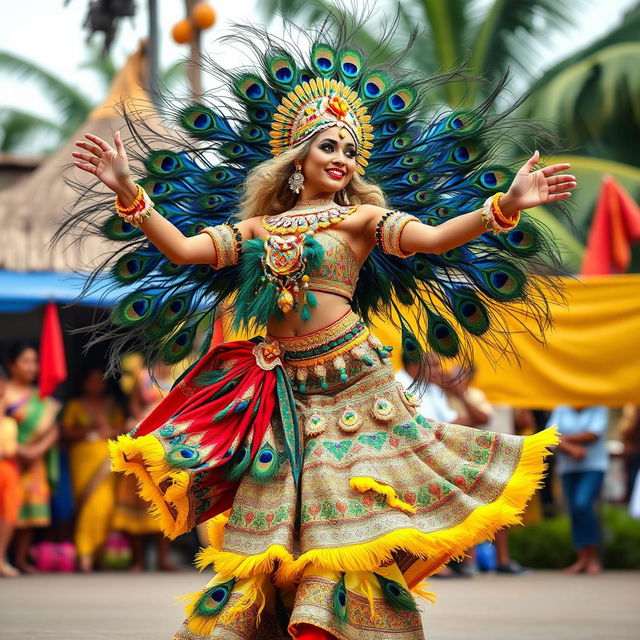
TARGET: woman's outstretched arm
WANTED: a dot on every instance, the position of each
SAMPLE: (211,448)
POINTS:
(111,166)
(528,189)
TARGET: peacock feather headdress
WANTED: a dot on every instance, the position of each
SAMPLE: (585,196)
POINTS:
(434,163)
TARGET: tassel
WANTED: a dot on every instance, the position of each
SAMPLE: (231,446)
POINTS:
(312,300)
(301,375)
(321,371)
(305,314)
(420,591)
(341,366)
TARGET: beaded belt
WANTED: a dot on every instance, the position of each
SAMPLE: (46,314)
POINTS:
(347,338)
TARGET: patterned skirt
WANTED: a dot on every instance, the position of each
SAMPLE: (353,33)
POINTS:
(328,497)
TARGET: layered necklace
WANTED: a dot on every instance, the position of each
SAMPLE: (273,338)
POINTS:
(313,215)
(284,262)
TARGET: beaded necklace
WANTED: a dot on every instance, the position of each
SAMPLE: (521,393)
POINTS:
(288,251)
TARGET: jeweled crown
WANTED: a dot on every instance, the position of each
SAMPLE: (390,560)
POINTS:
(320,104)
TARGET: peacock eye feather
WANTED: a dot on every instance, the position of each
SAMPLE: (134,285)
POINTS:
(266,463)
(205,124)
(115,228)
(374,86)
(397,595)
(323,59)
(213,600)
(239,463)
(350,65)
(135,308)
(441,335)
(470,312)
(135,265)
(166,163)
(525,240)
(282,69)
(339,601)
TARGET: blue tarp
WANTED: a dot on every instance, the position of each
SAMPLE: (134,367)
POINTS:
(21,292)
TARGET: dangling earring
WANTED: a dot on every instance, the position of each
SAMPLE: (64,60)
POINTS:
(296,180)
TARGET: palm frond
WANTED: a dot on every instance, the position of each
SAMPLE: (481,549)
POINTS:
(513,32)
(73,105)
(18,127)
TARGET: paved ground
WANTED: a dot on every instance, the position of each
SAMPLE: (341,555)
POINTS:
(542,605)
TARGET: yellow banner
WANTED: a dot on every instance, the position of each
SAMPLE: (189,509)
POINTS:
(592,354)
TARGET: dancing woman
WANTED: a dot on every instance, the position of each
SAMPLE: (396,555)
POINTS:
(328,497)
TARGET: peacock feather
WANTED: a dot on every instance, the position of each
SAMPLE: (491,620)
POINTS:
(434,164)
(396,595)
(339,601)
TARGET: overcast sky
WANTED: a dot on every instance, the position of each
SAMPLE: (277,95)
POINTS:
(51,35)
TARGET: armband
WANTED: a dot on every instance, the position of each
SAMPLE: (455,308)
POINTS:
(389,230)
(227,241)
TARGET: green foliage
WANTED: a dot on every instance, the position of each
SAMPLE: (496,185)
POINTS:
(547,544)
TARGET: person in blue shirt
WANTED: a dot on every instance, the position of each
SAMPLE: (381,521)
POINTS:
(582,462)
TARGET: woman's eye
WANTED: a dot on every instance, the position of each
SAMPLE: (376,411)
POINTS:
(351,153)
(327,147)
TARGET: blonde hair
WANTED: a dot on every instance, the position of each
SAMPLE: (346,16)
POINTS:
(266,189)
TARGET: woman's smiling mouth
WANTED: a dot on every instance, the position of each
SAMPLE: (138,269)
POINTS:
(336,174)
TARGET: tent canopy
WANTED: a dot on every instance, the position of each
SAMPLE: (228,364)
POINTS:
(22,292)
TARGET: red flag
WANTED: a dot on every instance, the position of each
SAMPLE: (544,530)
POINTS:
(53,363)
(615,227)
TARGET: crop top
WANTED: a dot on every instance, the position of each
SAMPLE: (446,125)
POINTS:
(340,267)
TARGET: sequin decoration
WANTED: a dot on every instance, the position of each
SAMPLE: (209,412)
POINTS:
(315,425)
(383,409)
(349,420)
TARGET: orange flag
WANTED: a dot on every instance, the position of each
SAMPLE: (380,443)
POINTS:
(53,363)
(615,227)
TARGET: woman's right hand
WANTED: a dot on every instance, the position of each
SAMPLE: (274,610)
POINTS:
(109,165)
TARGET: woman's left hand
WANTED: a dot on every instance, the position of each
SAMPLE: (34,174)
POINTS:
(532,188)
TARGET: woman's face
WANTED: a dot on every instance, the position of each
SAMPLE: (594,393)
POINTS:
(330,163)
(24,368)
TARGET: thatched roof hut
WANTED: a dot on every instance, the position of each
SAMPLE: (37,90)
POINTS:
(32,209)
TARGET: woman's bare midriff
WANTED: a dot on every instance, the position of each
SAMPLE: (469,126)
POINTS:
(331,307)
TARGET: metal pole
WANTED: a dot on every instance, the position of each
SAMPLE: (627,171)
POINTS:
(153,52)
(195,58)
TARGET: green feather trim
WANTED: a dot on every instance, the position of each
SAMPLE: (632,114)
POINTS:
(313,253)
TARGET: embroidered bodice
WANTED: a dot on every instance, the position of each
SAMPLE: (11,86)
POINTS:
(339,270)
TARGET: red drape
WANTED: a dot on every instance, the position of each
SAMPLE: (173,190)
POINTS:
(615,227)
(53,363)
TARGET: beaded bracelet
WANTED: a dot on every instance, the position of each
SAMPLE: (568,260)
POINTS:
(138,211)
(493,217)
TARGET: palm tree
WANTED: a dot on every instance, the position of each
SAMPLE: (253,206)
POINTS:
(18,126)
(592,97)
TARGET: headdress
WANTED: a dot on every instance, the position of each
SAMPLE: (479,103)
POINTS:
(317,105)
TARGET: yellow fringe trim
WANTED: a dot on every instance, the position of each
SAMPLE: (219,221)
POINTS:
(420,590)
(364,483)
(438,547)
(215,528)
(144,457)
(239,566)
